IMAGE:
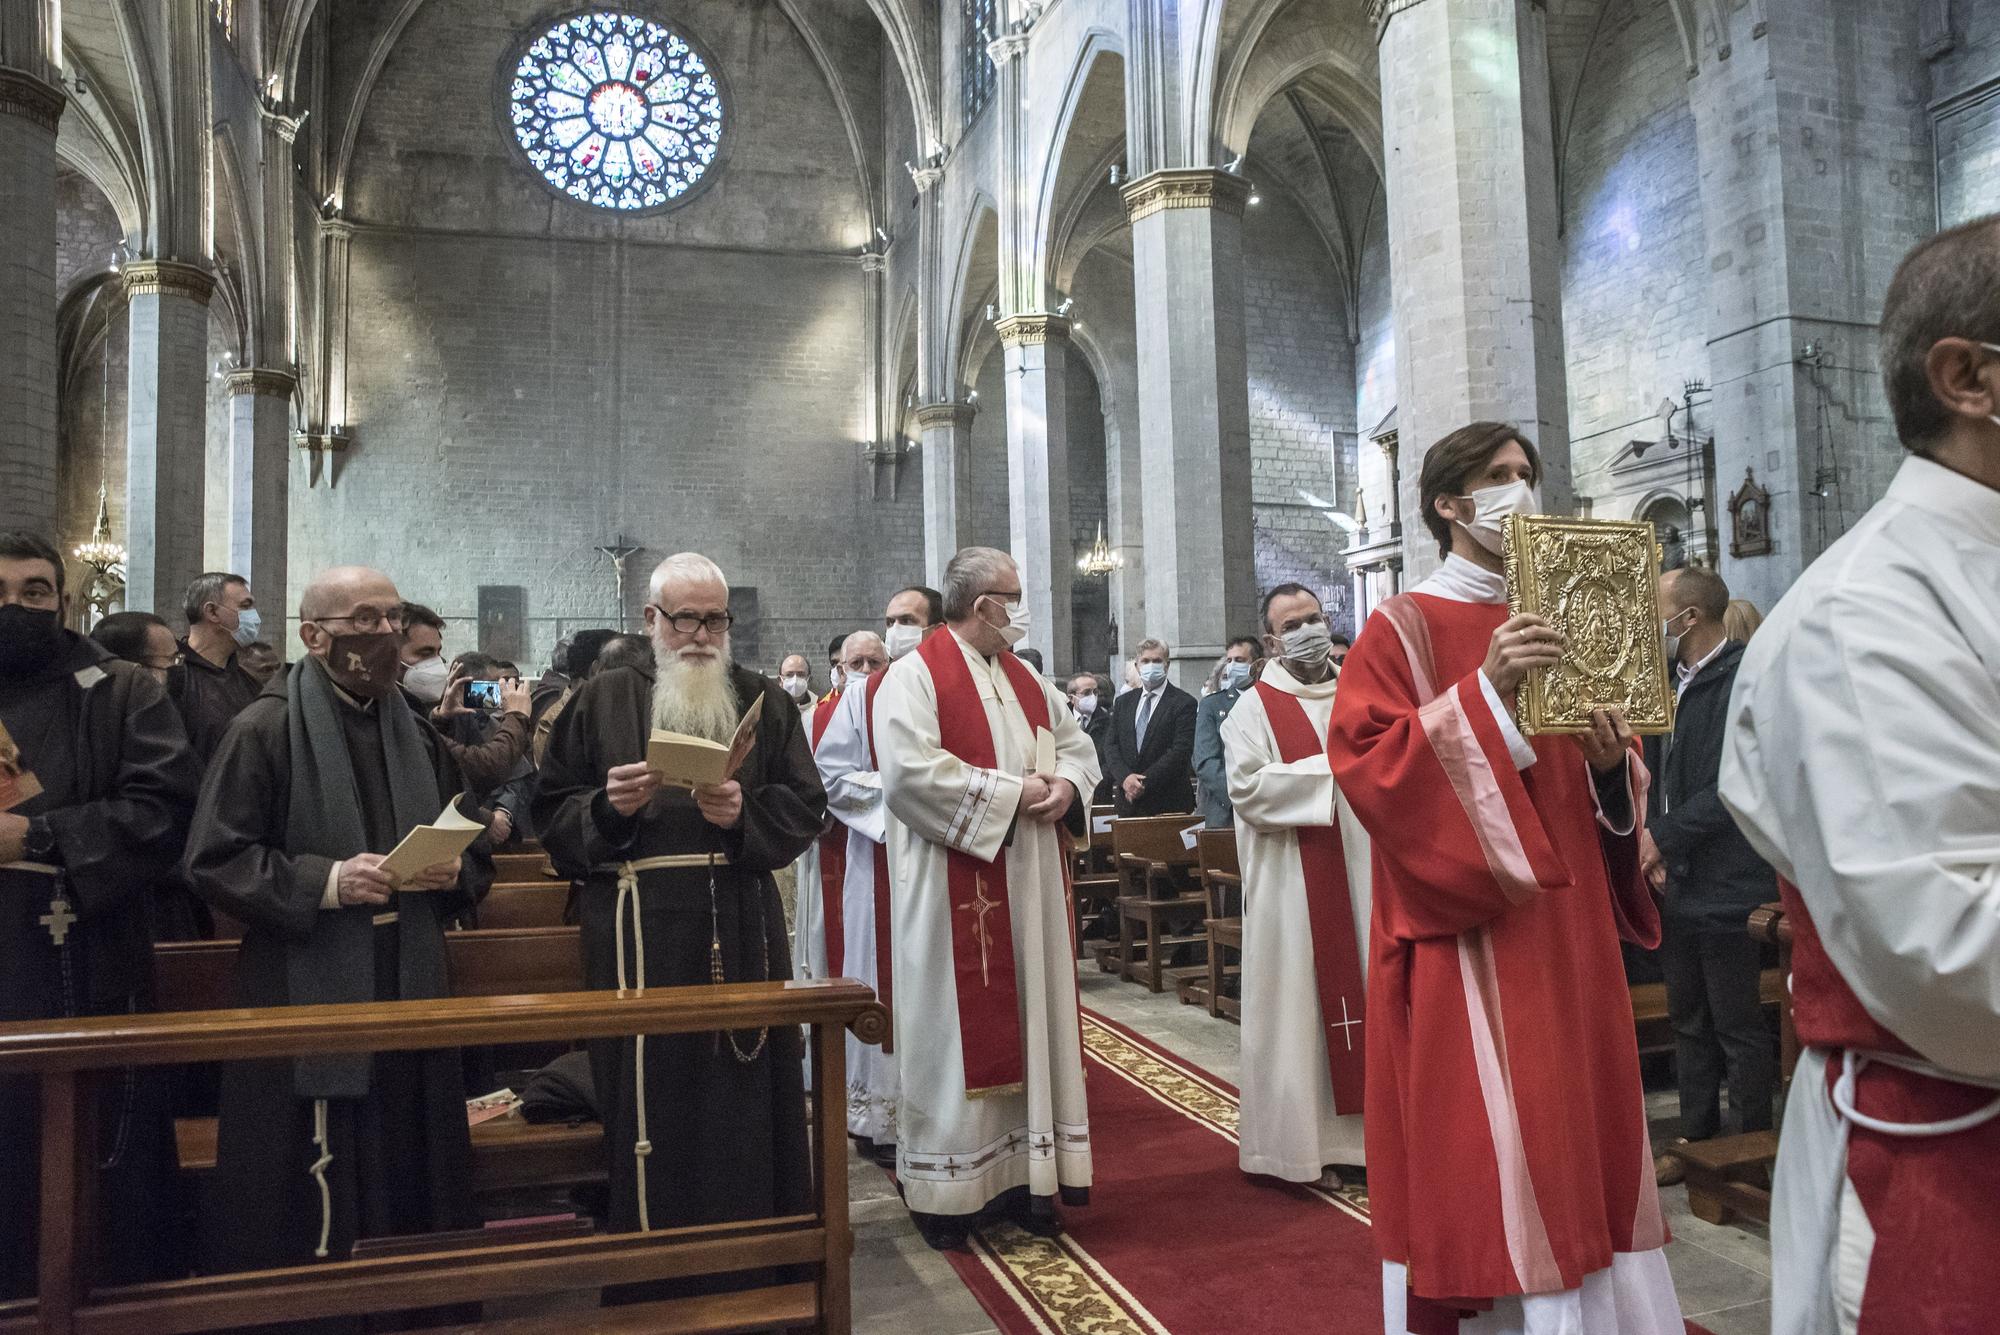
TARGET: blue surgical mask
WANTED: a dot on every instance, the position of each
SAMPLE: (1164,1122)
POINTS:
(1235,676)
(249,626)
(1152,674)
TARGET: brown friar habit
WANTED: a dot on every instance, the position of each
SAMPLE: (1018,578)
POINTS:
(395,1124)
(728,1135)
(118,785)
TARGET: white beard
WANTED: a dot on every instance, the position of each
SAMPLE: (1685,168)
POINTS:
(695,697)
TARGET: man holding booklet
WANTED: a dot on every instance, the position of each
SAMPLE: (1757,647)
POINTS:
(318,829)
(673,790)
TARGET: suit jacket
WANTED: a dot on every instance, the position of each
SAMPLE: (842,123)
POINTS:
(1098,727)
(1714,877)
(1166,760)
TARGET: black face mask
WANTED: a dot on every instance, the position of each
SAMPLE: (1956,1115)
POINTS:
(29,637)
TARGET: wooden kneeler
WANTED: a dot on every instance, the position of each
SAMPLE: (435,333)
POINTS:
(65,1057)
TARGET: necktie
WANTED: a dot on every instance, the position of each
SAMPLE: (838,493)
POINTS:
(1145,717)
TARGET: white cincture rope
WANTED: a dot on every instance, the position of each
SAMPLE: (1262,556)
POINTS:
(1851,1065)
(318,1171)
(642,1147)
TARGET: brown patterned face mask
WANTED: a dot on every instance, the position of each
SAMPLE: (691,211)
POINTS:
(364,665)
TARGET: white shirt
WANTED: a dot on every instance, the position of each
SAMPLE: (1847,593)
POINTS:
(1863,760)
(1686,673)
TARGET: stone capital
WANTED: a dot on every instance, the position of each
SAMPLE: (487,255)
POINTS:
(874,261)
(333,441)
(32,99)
(266,381)
(1006,47)
(930,416)
(168,278)
(338,229)
(926,178)
(1186,188)
(1021,331)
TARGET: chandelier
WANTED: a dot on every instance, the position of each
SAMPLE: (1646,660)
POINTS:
(101,553)
(1100,560)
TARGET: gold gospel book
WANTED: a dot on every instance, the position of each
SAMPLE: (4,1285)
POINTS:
(1596,581)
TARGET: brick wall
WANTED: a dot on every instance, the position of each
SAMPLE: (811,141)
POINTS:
(1635,262)
(1302,402)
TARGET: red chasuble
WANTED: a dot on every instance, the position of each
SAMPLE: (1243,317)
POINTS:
(885,953)
(832,859)
(1329,912)
(1507,1145)
(982,930)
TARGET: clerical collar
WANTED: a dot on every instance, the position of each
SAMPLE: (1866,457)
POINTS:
(1461,581)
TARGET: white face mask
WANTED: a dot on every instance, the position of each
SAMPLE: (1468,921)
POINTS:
(1016,628)
(249,626)
(855,676)
(1086,705)
(1670,640)
(899,639)
(1152,674)
(796,686)
(426,679)
(1492,505)
(1309,645)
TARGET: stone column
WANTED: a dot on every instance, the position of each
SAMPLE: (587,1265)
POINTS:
(31,103)
(166,430)
(946,434)
(1474,253)
(1037,359)
(260,461)
(1194,413)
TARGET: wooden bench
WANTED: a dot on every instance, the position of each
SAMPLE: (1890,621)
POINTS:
(1730,1176)
(1093,874)
(524,905)
(66,1056)
(522,867)
(507,1153)
(1655,1032)
(1221,879)
(1156,895)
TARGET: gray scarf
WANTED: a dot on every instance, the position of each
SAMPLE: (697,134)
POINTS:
(336,964)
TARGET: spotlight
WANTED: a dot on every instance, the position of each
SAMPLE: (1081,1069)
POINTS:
(1233,164)
(1255,198)
(882,236)
(972,396)
(992,312)
(1064,308)
(1117,173)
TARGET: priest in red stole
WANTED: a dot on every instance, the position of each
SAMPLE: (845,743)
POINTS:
(816,918)
(1305,909)
(980,760)
(1510,1174)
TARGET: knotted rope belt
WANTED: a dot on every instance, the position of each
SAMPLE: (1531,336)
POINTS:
(628,904)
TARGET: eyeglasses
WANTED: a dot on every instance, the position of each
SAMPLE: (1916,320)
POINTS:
(168,666)
(687,623)
(368,620)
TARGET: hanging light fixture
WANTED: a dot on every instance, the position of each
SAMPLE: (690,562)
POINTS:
(1100,560)
(104,555)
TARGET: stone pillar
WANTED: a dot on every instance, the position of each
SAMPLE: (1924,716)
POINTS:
(946,432)
(1037,358)
(260,462)
(166,430)
(1194,413)
(1474,252)
(31,103)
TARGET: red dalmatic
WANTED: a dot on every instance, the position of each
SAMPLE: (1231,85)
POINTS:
(1507,1145)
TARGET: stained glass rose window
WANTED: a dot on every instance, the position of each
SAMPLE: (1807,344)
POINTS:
(616,111)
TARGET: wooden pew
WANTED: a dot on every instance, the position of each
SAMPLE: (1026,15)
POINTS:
(507,1153)
(67,1056)
(519,867)
(525,905)
(1731,1175)
(1093,874)
(1156,895)
(1221,879)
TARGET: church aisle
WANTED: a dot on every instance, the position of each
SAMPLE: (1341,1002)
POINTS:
(902,1287)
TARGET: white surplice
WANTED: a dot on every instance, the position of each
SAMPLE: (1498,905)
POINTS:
(1288,1127)
(956,1153)
(809,910)
(1863,762)
(854,796)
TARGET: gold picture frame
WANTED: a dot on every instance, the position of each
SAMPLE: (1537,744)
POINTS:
(1597,581)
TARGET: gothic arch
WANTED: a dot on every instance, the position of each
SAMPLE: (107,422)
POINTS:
(978,239)
(1093,86)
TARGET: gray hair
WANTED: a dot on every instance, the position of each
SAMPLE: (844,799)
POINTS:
(207,588)
(684,568)
(1147,644)
(1948,286)
(970,574)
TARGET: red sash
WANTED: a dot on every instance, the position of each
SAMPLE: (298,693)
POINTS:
(982,941)
(1343,999)
(885,949)
(832,860)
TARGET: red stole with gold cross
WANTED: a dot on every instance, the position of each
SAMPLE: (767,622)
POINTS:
(982,929)
(1329,910)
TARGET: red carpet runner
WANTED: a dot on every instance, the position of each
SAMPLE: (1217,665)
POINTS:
(1177,1240)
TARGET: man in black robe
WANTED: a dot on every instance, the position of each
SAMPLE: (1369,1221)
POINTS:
(212,686)
(701,1128)
(314,783)
(79,864)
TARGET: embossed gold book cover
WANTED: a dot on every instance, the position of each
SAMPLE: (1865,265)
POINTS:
(1597,581)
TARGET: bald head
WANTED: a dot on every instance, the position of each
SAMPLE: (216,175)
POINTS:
(862,653)
(337,592)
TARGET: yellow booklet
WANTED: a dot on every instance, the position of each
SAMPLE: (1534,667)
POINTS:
(688,762)
(17,783)
(428,845)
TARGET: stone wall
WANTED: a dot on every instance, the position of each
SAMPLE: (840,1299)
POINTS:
(1965,112)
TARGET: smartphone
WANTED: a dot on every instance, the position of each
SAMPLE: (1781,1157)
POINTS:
(482,695)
